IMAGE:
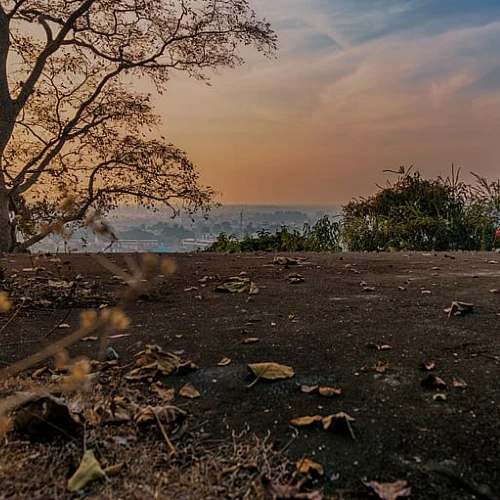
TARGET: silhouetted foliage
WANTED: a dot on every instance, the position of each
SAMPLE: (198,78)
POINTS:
(71,125)
(420,214)
(324,235)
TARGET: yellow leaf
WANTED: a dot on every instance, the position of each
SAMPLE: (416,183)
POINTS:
(224,362)
(89,470)
(271,371)
(307,466)
(305,421)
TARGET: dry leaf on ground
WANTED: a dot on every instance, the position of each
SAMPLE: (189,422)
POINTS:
(433,382)
(458,308)
(307,466)
(380,366)
(89,470)
(459,383)
(389,491)
(340,422)
(166,395)
(305,421)
(188,391)
(235,284)
(270,371)
(277,491)
(224,362)
(330,391)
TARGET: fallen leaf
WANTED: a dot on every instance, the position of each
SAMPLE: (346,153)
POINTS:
(381,366)
(426,292)
(171,417)
(166,395)
(270,371)
(389,491)
(254,289)
(439,397)
(329,391)
(64,325)
(459,383)
(42,418)
(224,362)
(284,261)
(308,389)
(89,470)
(433,382)
(340,422)
(188,391)
(90,338)
(191,289)
(368,289)
(305,421)
(495,290)
(114,470)
(295,278)
(40,372)
(459,308)
(250,340)
(277,491)
(307,466)
(236,284)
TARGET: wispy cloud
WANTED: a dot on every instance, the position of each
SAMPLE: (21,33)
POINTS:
(358,85)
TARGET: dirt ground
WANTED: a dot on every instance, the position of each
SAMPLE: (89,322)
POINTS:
(364,323)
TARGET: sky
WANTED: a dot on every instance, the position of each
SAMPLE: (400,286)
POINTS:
(357,86)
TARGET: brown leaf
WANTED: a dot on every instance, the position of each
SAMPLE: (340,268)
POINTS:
(340,422)
(459,383)
(170,416)
(330,391)
(458,308)
(305,421)
(307,466)
(433,382)
(188,391)
(381,366)
(389,491)
(277,491)
(166,395)
(439,397)
(224,362)
(250,340)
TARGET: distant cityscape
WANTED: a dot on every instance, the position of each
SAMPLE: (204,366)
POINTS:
(140,230)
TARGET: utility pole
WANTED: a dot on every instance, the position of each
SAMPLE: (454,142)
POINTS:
(241,225)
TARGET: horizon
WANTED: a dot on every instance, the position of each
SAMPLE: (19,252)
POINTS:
(356,88)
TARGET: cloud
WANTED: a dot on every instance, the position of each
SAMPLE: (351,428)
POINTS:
(357,86)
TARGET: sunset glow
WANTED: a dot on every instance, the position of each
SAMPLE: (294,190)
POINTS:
(357,86)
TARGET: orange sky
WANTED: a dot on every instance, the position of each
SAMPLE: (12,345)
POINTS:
(358,86)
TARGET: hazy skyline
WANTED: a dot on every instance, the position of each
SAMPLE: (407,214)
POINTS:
(357,86)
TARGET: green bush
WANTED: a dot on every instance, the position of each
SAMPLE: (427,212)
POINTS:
(324,235)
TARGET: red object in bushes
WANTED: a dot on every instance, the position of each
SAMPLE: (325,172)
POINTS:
(497,233)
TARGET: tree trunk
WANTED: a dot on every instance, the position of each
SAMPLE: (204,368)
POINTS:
(7,235)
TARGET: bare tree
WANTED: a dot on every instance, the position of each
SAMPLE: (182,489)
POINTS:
(72,129)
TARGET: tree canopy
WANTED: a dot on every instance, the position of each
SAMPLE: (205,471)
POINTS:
(75,138)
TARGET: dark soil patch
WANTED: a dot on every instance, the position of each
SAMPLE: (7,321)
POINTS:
(327,327)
